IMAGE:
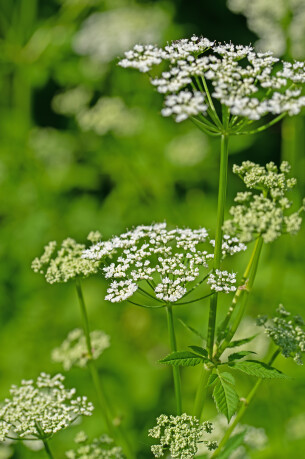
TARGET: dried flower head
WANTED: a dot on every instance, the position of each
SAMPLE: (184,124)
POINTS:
(39,409)
(180,435)
(279,25)
(263,214)
(99,448)
(287,332)
(167,261)
(73,351)
(67,263)
(251,85)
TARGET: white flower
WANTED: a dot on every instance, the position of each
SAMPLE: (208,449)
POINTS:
(180,435)
(73,351)
(41,408)
(66,264)
(99,448)
(167,261)
(222,281)
(250,84)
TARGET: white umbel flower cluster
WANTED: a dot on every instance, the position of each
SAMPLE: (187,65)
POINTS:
(279,25)
(222,281)
(39,409)
(166,261)
(73,351)
(99,448)
(105,35)
(250,84)
(287,332)
(263,214)
(180,436)
(67,263)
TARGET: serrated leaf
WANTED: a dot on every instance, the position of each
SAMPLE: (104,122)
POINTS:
(192,330)
(225,395)
(212,379)
(200,351)
(232,444)
(239,355)
(240,342)
(182,359)
(258,369)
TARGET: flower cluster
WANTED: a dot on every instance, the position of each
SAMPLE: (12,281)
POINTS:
(250,84)
(109,114)
(105,35)
(67,263)
(40,409)
(180,436)
(222,281)
(279,25)
(99,448)
(287,332)
(166,260)
(263,214)
(73,351)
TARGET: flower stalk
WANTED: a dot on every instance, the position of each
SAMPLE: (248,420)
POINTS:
(173,348)
(117,432)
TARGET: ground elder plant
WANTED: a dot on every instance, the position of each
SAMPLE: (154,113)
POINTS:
(225,90)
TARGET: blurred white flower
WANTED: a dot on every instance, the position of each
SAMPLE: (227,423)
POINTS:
(188,149)
(104,36)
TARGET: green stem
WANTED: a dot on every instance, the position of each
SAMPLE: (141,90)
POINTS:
(241,289)
(47,449)
(201,392)
(262,128)
(243,408)
(218,237)
(244,295)
(173,348)
(116,432)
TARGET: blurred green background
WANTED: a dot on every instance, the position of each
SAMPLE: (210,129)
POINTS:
(83,147)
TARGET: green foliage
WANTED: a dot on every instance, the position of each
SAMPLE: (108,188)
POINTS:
(184,359)
(225,395)
(258,369)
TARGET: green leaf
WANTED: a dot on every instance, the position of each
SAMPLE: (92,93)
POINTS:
(212,379)
(240,342)
(239,355)
(200,351)
(182,359)
(192,330)
(232,444)
(225,395)
(259,369)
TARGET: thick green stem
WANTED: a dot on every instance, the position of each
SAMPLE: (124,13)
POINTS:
(173,348)
(243,295)
(218,237)
(47,449)
(243,408)
(115,431)
(201,392)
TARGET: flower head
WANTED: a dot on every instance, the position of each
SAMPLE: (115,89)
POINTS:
(73,351)
(67,263)
(251,85)
(99,448)
(263,214)
(165,260)
(180,436)
(39,409)
(287,332)
(279,25)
